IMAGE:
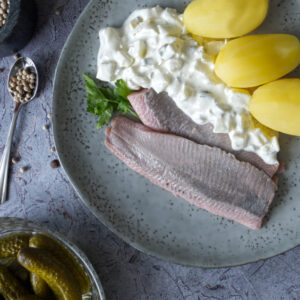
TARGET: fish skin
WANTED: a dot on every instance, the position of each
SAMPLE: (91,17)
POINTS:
(160,112)
(205,176)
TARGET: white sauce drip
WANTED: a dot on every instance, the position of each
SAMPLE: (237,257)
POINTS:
(153,49)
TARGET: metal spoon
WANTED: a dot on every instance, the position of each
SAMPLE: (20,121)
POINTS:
(21,63)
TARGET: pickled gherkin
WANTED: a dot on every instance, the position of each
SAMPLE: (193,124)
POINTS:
(63,254)
(10,287)
(11,245)
(39,286)
(59,278)
(32,297)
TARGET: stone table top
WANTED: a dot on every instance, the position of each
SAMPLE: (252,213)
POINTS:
(44,195)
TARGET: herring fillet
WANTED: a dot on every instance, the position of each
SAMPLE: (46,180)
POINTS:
(205,176)
(160,112)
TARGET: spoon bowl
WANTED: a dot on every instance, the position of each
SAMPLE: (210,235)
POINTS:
(21,63)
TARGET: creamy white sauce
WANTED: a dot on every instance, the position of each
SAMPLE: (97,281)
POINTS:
(153,49)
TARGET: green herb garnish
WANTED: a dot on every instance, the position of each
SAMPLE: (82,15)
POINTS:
(103,102)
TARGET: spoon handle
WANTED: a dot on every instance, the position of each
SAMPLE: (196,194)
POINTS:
(4,164)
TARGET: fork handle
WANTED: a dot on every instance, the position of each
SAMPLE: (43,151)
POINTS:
(4,164)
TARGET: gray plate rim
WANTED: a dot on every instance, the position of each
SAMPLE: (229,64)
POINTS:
(100,216)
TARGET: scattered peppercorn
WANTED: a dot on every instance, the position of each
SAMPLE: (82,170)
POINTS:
(57,12)
(2,70)
(15,160)
(55,164)
(45,127)
(22,85)
(4,10)
(17,56)
(52,149)
(23,169)
(49,116)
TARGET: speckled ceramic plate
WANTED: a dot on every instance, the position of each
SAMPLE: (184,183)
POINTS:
(149,218)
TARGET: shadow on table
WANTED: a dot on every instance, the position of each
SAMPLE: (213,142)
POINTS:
(46,8)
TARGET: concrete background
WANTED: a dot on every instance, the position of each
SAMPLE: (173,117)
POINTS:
(44,195)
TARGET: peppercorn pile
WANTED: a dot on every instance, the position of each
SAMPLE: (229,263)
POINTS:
(4,9)
(22,85)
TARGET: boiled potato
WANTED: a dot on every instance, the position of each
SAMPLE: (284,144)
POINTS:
(257,59)
(224,18)
(277,105)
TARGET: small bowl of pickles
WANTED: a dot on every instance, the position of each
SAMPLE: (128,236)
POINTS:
(37,263)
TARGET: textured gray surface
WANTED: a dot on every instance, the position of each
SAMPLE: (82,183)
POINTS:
(45,196)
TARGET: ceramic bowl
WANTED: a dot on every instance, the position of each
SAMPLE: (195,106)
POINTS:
(19,26)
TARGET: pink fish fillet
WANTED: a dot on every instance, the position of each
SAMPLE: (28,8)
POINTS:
(205,176)
(160,112)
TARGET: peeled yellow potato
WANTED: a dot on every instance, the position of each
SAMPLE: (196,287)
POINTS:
(257,59)
(277,105)
(224,18)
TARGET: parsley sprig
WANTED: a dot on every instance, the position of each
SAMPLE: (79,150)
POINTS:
(103,102)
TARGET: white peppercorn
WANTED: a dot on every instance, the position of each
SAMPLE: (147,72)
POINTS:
(23,170)
(4,10)
(15,160)
(22,85)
